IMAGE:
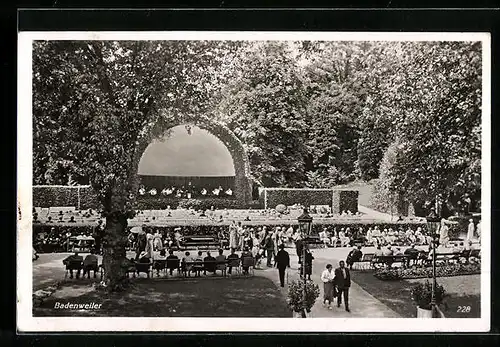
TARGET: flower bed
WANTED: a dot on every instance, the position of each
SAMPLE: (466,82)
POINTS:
(426,272)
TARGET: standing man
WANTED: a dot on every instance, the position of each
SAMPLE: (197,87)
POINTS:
(343,282)
(282,261)
(97,234)
(269,244)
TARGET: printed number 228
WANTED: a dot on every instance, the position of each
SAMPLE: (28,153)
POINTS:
(463,309)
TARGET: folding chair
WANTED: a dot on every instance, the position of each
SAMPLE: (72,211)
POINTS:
(76,265)
(160,265)
(221,266)
(235,264)
(248,262)
(142,267)
(174,264)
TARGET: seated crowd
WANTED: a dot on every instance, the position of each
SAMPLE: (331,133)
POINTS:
(373,235)
(385,256)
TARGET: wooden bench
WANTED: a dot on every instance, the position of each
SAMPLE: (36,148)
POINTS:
(389,260)
(200,242)
(366,259)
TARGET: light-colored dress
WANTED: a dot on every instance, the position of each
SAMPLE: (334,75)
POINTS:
(233,237)
(328,285)
(470,232)
(444,238)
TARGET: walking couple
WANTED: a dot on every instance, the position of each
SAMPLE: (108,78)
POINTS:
(336,284)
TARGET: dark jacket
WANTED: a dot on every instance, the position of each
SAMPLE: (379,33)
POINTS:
(339,279)
(282,259)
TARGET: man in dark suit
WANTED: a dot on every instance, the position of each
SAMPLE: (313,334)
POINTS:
(282,261)
(343,282)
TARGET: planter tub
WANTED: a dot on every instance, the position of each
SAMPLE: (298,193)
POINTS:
(423,313)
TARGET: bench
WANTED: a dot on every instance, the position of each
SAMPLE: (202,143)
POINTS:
(443,257)
(211,266)
(389,260)
(366,259)
(200,242)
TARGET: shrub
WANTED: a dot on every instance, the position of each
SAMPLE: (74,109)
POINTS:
(280,208)
(421,294)
(305,197)
(296,295)
(459,269)
(345,200)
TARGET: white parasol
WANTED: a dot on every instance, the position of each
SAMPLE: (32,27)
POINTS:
(136,230)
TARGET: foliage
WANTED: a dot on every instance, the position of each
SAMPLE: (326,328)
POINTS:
(458,269)
(346,200)
(385,195)
(305,197)
(53,196)
(438,121)
(422,294)
(295,297)
(264,105)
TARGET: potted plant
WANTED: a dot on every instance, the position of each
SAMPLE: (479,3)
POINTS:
(422,296)
(295,298)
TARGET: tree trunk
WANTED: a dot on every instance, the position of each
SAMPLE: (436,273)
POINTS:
(114,258)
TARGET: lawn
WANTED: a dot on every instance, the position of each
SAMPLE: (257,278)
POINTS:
(222,297)
(462,290)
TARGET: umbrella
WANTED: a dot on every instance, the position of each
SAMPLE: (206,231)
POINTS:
(136,230)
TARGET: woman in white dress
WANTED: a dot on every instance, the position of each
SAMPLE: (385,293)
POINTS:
(444,238)
(233,237)
(470,230)
(149,244)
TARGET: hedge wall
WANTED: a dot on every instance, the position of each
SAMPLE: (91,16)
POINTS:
(345,200)
(288,197)
(161,203)
(53,196)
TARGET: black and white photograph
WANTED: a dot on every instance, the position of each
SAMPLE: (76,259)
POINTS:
(294,181)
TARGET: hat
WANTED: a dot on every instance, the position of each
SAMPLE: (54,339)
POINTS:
(471,220)
(177,229)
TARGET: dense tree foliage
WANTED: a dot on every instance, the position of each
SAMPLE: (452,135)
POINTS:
(265,106)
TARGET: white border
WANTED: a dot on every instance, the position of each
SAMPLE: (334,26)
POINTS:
(27,323)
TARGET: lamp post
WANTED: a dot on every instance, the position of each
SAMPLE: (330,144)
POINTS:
(433,222)
(305,223)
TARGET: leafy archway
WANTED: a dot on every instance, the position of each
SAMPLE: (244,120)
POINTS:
(243,186)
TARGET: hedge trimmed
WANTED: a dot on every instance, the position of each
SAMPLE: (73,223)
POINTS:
(458,269)
(289,197)
(55,196)
(345,200)
(161,203)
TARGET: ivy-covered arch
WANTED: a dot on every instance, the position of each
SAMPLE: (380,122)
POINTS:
(243,186)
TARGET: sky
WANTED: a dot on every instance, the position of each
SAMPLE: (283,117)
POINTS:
(180,154)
